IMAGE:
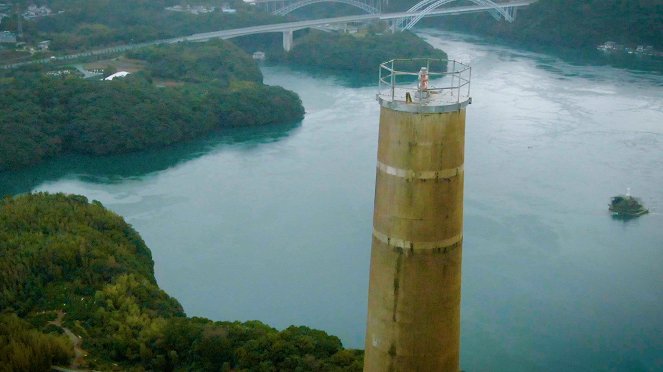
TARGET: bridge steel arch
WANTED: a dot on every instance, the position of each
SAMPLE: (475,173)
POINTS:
(429,5)
(300,4)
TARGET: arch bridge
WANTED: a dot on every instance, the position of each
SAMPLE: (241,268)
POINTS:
(285,7)
(499,9)
(367,6)
(426,8)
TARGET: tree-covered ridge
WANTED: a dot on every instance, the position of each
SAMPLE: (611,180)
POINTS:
(213,61)
(85,24)
(358,53)
(571,23)
(60,253)
(57,248)
(44,116)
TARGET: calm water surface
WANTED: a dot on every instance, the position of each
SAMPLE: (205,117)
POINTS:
(275,223)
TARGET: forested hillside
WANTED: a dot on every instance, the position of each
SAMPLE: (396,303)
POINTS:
(213,61)
(578,24)
(84,24)
(62,254)
(23,348)
(43,116)
(358,53)
(565,23)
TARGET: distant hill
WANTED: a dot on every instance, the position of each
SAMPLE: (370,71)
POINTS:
(565,23)
(68,265)
(76,25)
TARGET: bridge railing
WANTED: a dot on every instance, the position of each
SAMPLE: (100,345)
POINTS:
(444,82)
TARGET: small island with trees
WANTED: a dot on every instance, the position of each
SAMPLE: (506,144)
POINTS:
(626,206)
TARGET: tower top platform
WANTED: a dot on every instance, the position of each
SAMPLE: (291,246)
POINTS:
(424,85)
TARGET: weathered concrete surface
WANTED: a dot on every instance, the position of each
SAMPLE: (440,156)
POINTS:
(415,277)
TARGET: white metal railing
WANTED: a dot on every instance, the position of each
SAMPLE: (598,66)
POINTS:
(399,81)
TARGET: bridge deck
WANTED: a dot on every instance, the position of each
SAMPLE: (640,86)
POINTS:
(279,27)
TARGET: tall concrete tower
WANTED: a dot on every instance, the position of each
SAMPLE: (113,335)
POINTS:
(415,277)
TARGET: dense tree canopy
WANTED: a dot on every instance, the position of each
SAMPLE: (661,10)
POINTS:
(214,61)
(569,23)
(358,53)
(84,24)
(60,253)
(23,348)
(42,116)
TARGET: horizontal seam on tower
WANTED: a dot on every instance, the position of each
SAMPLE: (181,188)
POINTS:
(417,246)
(422,175)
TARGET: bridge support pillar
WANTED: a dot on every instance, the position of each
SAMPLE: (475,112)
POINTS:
(287,40)
(393,25)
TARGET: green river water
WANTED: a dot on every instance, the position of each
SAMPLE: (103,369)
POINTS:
(275,223)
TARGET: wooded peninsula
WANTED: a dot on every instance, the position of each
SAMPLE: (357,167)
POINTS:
(212,85)
(70,265)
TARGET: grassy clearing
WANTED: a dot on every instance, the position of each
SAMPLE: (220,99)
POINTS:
(119,63)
